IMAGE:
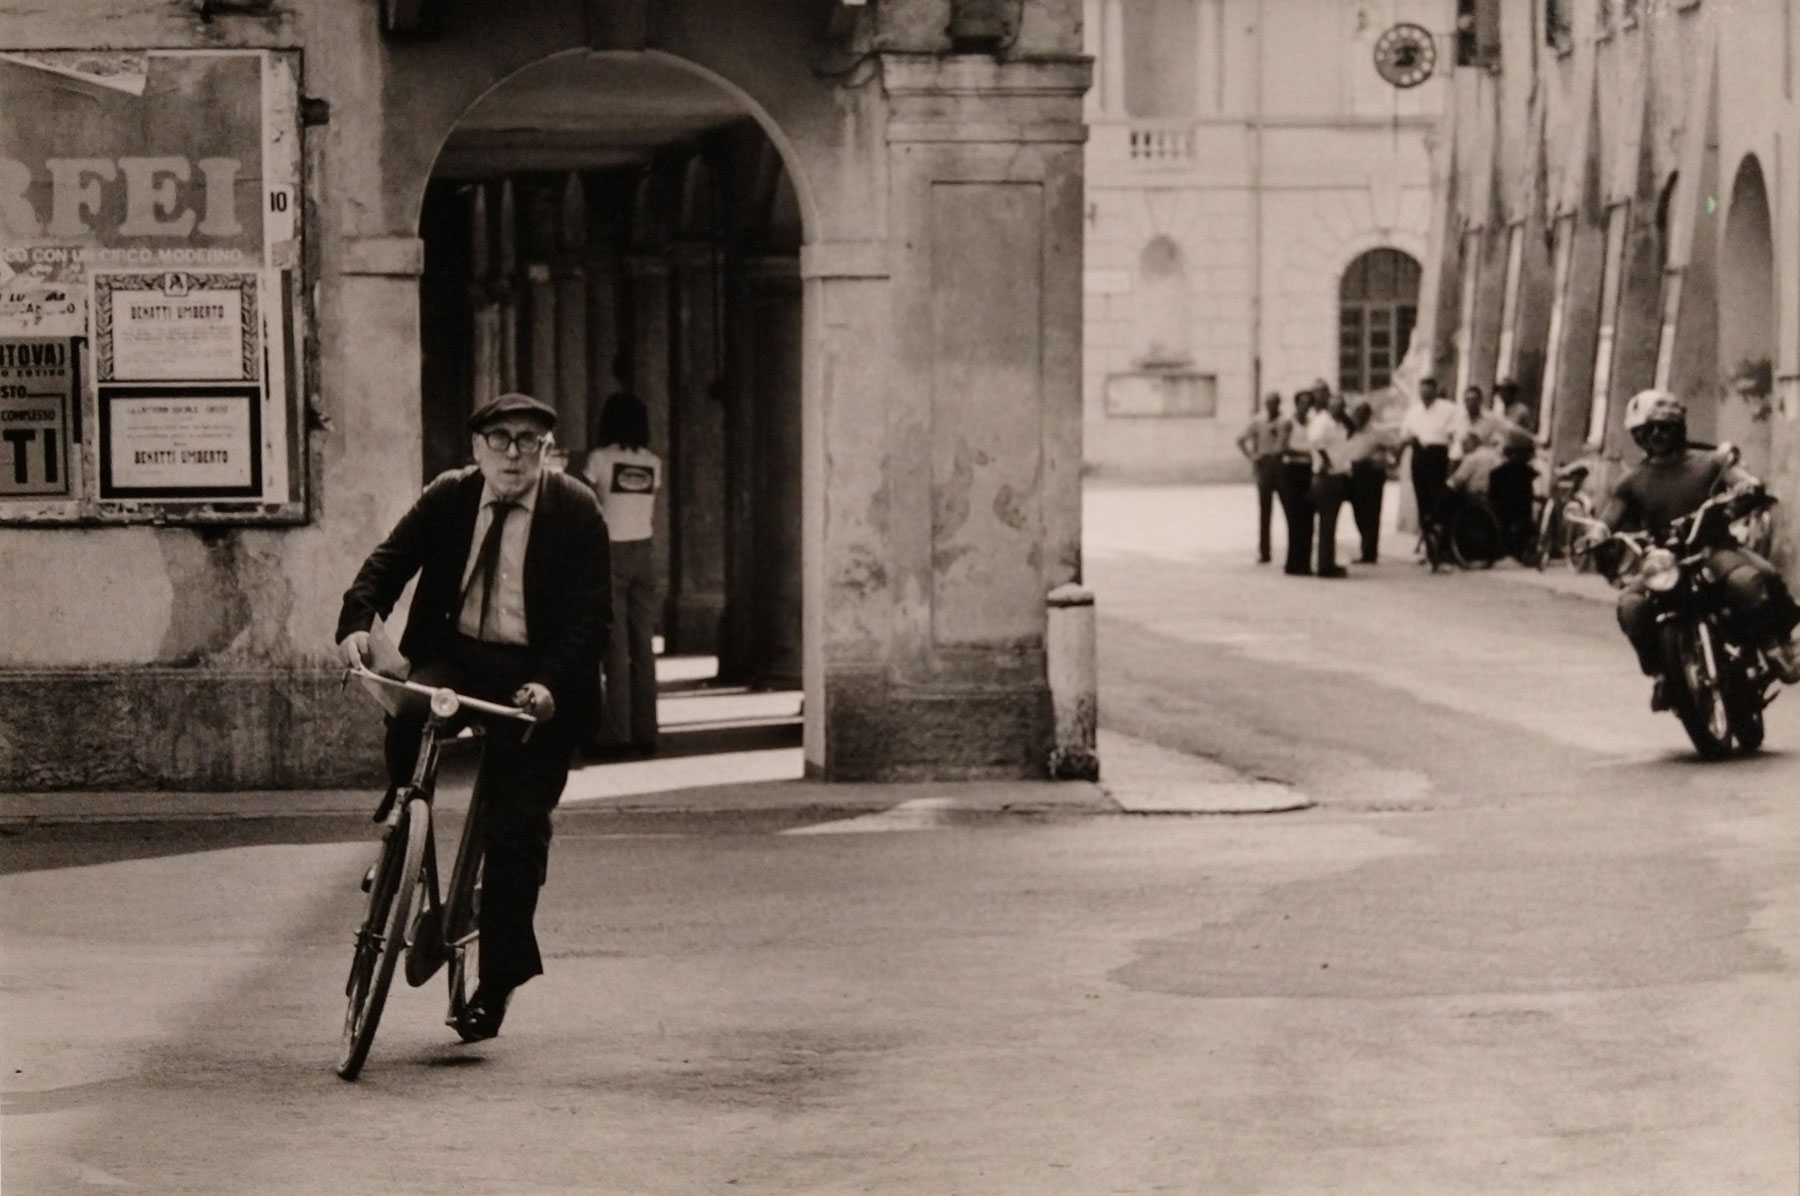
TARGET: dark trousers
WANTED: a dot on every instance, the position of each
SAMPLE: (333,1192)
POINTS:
(1328,490)
(1367,483)
(1430,470)
(1296,503)
(628,711)
(1268,481)
(522,781)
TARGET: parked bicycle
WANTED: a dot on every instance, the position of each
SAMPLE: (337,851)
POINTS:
(405,914)
(1559,535)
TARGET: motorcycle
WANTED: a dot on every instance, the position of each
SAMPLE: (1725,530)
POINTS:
(1716,678)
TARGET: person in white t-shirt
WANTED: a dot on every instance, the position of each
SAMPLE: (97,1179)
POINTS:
(627,476)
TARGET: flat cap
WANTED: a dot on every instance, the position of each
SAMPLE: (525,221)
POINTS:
(512,403)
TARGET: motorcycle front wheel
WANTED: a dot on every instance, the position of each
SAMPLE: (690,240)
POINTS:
(1695,694)
(1745,702)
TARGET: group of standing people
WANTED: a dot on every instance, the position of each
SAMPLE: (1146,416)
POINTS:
(1314,461)
(1326,453)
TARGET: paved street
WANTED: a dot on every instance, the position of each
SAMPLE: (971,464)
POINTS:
(1517,941)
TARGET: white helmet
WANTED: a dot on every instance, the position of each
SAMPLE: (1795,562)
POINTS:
(1654,407)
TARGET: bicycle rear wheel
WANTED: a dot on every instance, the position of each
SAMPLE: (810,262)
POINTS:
(380,940)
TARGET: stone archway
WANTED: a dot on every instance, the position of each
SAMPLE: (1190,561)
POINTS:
(1747,318)
(598,222)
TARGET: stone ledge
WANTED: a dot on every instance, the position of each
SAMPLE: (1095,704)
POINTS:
(383,257)
(156,728)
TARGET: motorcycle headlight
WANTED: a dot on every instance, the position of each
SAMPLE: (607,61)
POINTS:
(1660,571)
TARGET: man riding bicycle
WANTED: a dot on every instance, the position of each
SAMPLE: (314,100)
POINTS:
(1673,480)
(513,605)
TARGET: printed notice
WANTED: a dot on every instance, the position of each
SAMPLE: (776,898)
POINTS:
(179,446)
(36,384)
(176,327)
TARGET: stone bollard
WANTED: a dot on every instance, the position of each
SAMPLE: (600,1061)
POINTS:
(1074,696)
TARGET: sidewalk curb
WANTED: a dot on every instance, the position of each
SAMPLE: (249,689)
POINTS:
(18,810)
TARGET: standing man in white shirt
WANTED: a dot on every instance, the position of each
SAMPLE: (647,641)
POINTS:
(1427,430)
(627,476)
(1328,437)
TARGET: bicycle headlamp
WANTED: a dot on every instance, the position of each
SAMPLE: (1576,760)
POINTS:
(444,703)
(1660,571)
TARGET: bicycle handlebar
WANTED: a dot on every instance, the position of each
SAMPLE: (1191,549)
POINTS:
(445,701)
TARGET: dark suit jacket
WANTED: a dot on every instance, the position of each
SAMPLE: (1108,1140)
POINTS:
(568,581)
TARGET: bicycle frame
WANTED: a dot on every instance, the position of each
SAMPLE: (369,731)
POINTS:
(430,932)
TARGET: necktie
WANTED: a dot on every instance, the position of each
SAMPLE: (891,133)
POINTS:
(487,561)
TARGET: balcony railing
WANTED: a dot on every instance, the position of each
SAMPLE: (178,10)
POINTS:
(1160,144)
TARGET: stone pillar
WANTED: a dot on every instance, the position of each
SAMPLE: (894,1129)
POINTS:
(944,441)
(696,495)
(738,659)
(650,373)
(603,322)
(484,300)
(508,298)
(775,384)
(541,239)
(1112,58)
(572,324)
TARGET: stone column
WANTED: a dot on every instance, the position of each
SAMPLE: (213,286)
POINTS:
(1112,58)
(650,373)
(775,384)
(484,301)
(541,239)
(508,297)
(946,433)
(572,324)
(738,650)
(696,495)
(602,273)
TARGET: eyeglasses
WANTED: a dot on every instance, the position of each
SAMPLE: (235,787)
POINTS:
(502,441)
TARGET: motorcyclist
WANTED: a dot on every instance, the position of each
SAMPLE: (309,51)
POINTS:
(1675,479)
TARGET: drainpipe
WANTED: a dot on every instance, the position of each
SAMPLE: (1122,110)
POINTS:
(1256,213)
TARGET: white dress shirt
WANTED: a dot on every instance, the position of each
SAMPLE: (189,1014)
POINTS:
(506,607)
(1326,436)
(1431,426)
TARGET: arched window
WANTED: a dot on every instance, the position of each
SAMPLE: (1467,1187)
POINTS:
(1378,304)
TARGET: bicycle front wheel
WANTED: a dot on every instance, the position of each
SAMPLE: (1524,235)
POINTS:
(381,939)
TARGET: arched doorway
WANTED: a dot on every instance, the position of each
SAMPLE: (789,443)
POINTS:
(1747,319)
(621,221)
(1378,305)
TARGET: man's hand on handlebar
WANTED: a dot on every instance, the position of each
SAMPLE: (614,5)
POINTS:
(535,699)
(354,650)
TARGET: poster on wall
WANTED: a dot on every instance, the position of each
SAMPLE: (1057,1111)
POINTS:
(149,219)
(173,441)
(37,393)
(176,326)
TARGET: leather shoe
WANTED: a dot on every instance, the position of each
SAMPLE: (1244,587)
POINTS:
(1339,571)
(1659,695)
(481,1017)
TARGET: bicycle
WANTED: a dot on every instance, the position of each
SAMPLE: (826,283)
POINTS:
(405,914)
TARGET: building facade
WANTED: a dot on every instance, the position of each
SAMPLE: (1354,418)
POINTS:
(1615,220)
(1259,209)
(262,256)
